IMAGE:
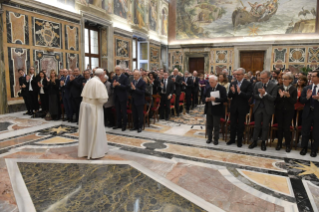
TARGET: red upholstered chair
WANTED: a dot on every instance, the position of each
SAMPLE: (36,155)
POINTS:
(156,105)
(172,104)
(182,101)
(146,111)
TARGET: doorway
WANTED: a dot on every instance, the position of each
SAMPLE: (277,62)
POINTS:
(252,60)
(196,63)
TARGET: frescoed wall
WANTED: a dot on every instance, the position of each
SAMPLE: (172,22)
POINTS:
(122,51)
(155,53)
(197,19)
(153,15)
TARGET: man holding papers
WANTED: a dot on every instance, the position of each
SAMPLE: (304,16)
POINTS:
(215,96)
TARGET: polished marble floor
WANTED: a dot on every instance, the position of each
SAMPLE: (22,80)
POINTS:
(167,167)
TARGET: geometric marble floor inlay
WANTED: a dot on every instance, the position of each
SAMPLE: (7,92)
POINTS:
(57,140)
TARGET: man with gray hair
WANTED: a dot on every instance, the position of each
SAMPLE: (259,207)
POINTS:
(265,94)
(214,108)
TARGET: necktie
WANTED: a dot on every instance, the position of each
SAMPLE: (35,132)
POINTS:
(239,84)
(314,92)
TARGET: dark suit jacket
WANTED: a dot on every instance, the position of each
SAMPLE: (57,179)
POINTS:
(169,87)
(284,103)
(138,95)
(65,90)
(45,85)
(189,85)
(217,109)
(196,84)
(240,102)
(75,87)
(22,80)
(34,83)
(120,91)
(303,99)
(54,88)
(269,99)
(177,84)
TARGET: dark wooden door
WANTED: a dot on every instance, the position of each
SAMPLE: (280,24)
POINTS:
(196,63)
(252,61)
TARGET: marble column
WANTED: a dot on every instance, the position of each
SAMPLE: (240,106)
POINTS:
(3,89)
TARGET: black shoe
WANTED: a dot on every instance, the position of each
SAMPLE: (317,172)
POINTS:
(303,151)
(216,142)
(230,142)
(253,145)
(139,130)
(209,141)
(133,129)
(279,145)
(116,127)
(123,128)
(263,146)
(288,148)
(239,144)
(313,154)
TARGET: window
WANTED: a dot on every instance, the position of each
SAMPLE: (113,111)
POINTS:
(92,51)
(143,55)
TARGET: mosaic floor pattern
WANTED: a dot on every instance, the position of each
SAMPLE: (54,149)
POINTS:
(156,170)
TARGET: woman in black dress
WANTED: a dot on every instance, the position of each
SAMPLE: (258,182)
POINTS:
(155,82)
(43,91)
(54,97)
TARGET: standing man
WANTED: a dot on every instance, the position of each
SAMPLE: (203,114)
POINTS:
(92,139)
(240,92)
(265,94)
(25,92)
(188,86)
(120,85)
(65,90)
(214,112)
(167,89)
(310,115)
(75,86)
(195,89)
(33,90)
(177,80)
(138,100)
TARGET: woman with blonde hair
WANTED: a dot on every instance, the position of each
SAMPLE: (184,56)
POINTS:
(222,80)
(54,97)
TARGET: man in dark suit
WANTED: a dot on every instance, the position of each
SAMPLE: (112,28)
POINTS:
(214,112)
(177,80)
(138,100)
(33,89)
(25,92)
(240,92)
(75,87)
(120,85)
(310,115)
(65,91)
(265,94)
(188,86)
(166,90)
(195,89)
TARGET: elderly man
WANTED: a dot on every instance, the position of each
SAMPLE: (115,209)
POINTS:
(177,80)
(265,94)
(214,108)
(188,86)
(120,84)
(138,100)
(240,92)
(65,91)
(92,138)
(167,89)
(195,89)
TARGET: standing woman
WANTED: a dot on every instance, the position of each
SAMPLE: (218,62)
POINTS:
(222,80)
(155,82)
(54,99)
(285,109)
(43,91)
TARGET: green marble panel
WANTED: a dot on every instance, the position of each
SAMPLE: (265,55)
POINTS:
(98,187)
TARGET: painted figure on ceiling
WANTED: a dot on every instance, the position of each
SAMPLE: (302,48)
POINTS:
(120,8)
(140,13)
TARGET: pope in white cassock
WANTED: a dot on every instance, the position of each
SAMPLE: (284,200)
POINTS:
(92,137)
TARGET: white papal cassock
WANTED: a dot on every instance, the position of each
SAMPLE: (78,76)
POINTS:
(92,137)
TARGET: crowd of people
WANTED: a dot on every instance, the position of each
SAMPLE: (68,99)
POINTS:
(277,92)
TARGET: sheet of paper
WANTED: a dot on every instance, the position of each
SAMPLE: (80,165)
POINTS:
(216,95)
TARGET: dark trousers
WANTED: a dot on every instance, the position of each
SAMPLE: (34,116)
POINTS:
(121,113)
(27,101)
(67,106)
(188,99)
(212,122)
(237,125)
(195,97)
(177,104)
(261,116)
(44,102)
(284,122)
(35,100)
(202,95)
(306,130)
(164,107)
(138,116)
(108,117)
(76,102)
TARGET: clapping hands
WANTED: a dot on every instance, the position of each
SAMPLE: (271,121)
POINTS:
(132,86)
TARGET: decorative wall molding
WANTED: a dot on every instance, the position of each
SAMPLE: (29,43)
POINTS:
(95,19)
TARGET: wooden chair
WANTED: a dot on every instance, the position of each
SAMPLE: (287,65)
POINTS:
(274,127)
(146,111)
(172,104)
(156,106)
(182,102)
